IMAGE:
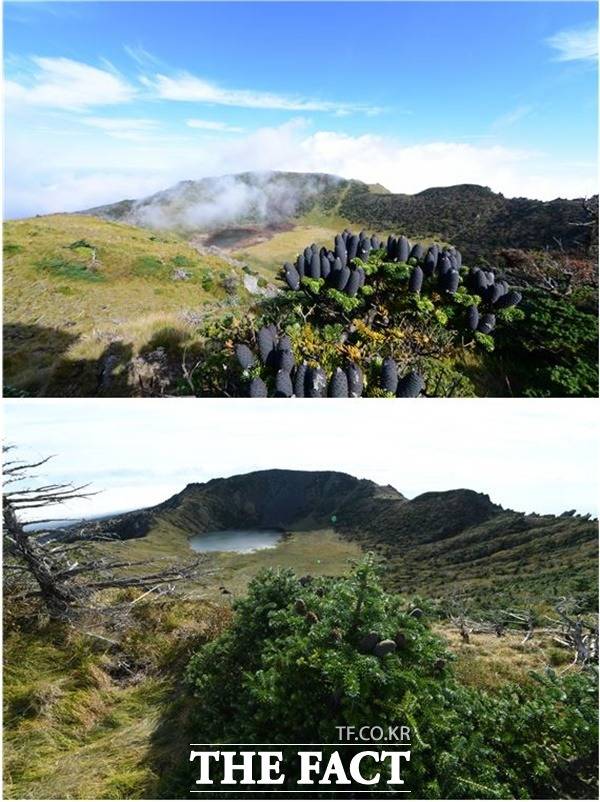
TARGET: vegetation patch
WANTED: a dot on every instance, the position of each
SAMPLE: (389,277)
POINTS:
(76,271)
(306,655)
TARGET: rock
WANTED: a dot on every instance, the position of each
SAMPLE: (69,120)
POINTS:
(416,613)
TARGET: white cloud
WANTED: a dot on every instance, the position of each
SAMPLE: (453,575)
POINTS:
(70,174)
(214,125)
(190,88)
(578,44)
(66,84)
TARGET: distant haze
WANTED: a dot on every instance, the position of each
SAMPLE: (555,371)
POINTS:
(217,201)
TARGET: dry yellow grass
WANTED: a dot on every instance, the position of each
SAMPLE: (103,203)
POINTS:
(488,661)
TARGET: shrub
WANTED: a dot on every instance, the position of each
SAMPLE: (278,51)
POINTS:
(298,661)
(77,271)
(553,350)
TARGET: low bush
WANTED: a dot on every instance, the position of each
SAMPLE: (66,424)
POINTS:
(305,655)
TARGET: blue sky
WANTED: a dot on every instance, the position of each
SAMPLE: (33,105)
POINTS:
(112,99)
(140,452)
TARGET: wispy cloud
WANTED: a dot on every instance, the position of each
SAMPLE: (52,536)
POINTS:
(189,88)
(576,44)
(128,128)
(214,125)
(67,84)
(511,117)
(142,57)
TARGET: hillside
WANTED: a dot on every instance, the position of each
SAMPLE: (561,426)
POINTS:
(472,217)
(94,307)
(242,199)
(97,307)
(439,543)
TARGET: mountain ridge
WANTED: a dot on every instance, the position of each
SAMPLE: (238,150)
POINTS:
(440,541)
(473,217)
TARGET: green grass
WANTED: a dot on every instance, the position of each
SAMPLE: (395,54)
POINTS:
(75,286)
(68,269)
(316,552)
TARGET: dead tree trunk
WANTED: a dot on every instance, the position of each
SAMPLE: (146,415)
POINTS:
(61,582)
(55,595)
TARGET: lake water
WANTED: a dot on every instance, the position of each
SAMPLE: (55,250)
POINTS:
(242,541)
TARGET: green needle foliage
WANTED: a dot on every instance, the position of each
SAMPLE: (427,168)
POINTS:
(293,666)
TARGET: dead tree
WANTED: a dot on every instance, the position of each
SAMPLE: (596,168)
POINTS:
(575,632)
(63,575)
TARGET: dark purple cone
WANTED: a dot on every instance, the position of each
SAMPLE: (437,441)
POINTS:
(325,266)
(340,278)
(244,356)
(487,323)
(472,318)
(292,277)
(314,270)
(338,386)
(355,380)
(264,339)
(283,385)
(512,298)
(392,248)
(300,380)
(389,375)
(316,383)
(415,282)
(352,246)
(353,284)
(403,249)
(300,265)
(416,251)
(493,293)
(364,249)
(429,264)
(257,389)
(410,386)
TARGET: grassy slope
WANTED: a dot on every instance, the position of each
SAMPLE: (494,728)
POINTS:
(61,311)
(318,552)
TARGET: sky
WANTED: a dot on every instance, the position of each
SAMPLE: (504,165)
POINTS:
(107,100)
(528,455)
